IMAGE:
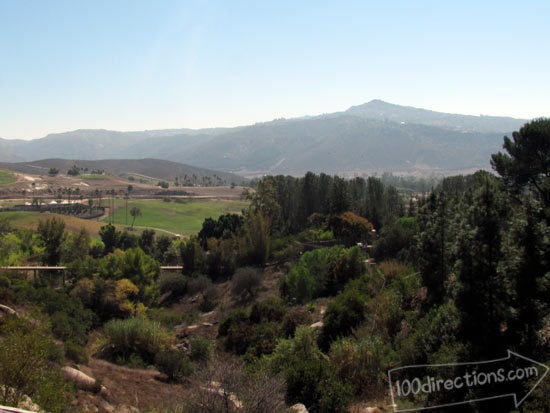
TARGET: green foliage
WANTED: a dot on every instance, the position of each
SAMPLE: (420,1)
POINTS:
(323,272)
(73,171)
(527,162)
(147,241)
(437,329)
(168,318)
(136,266)
(310,378)
(110,237)
(204,286)
(134,336)
(7,177)
(254,333)
(362,363)
(351,227)
(175,284)
(174,364)
(256,242)
(70,320)
(25,368)
(52,234)
(53,171)
(347,311)
(75,246)
(192,256)
(135,212)
(109,298)
(220,262)
(295,317)
(397,240)
(76,353)
(485,293)
(201,349)
(225,226)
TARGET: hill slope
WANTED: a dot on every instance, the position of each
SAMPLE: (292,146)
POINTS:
(151,168)
(374,137)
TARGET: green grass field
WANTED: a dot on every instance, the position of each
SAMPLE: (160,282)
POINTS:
(30,220)
(180,218)
(7,177)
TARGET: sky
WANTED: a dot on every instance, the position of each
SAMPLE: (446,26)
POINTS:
(159,64)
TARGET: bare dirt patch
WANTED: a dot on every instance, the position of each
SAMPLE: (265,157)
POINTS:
(144,389)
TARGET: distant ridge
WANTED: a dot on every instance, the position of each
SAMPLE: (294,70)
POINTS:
(374,137)
(388,111)
(151,168)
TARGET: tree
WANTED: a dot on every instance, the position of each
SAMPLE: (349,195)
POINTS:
(110,237)
(485,295)
(527,164)
(256,239)
(74,171)
(76,246)
(351,228)
(135,212)
(53,171)
(25,369)
(52,233)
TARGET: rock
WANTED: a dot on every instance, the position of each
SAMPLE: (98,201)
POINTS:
(298,408)
(371,410)
(82,380)
(7,310)
(318,324)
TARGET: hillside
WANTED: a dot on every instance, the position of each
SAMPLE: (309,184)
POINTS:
(371,138)
(154,169)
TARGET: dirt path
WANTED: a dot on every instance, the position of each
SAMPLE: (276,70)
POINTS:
(139,388)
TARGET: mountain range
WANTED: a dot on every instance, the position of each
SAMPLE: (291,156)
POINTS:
(371,138)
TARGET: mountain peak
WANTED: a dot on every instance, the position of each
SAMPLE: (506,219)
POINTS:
(381,110)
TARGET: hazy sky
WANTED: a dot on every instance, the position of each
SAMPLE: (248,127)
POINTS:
(155,64)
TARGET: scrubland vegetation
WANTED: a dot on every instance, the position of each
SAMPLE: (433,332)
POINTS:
(366,280)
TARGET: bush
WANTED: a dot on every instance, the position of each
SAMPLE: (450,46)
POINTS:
(26,367)
(201,349)
(245,283)
(323,272)
(174,283)
(134,336)
(272,309)
(168,318)
(174,364)
(76,353)
(207,289)
(297,316)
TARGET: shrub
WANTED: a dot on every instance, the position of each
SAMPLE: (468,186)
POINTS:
(134,336)
(174,283)
(245,283)
(207,289)
(201,349)
(168,318)
(25,366)
(323,272)
(272,309)
(297,316)
(174,364)
(76,353)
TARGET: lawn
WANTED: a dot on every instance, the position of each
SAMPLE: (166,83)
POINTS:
(7,177)
(179,218)
(30,220)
